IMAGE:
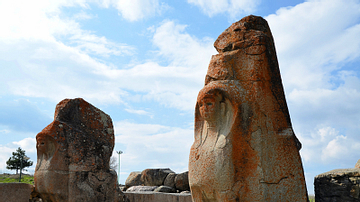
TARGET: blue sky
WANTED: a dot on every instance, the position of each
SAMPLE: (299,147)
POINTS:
(144,61)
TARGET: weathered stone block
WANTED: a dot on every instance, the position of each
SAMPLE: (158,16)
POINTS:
(338,185)
(73,154)
(245,148)
(170,180)
(157,197)
(165,189)
(154,177)
(182,181)
(141,188)
(134,179)
(15,192)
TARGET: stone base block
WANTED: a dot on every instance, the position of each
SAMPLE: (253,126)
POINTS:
(338,186)
(15,192)
(157,197)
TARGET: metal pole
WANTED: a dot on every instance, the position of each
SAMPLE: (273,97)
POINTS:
(119,152)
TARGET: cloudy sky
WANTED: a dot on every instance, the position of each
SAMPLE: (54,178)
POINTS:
(144,61)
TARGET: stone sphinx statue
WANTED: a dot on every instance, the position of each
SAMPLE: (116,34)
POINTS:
(73,154)
(245,148)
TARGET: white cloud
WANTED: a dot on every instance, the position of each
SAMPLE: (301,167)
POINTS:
(182,48)
(170,85)
(314,41)
(139,112)
(42,22)
(153,145)
(27,144)
(315,38)
(326,145)
(5,154)
(36,60)
(317,46)
(335,149)
(33,20)
(82,15)
(33,58)
(55,71)
(92,44)
(134,10)
(232,7)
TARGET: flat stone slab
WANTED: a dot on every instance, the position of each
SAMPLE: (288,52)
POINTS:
(157,197)
(353,172)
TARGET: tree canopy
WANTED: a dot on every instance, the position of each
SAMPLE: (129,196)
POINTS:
(14,162)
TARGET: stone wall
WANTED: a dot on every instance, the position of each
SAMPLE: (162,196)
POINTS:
(338,185)
(157,180)
(157,197)
(15,192)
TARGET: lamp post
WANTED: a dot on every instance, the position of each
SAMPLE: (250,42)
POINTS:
(119,152)
(21,164)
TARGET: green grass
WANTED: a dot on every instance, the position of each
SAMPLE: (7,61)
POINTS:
(9,178)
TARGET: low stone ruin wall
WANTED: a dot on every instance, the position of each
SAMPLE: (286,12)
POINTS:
(157,197)
(157,180)
(15,192)
(338,185)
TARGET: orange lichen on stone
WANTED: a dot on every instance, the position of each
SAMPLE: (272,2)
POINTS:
(73,155)
(244,147)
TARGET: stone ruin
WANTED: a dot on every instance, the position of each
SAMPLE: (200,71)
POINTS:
(338,185)
(157,180)
(245,148)
(73,154)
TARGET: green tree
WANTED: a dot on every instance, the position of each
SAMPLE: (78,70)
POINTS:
(14,162)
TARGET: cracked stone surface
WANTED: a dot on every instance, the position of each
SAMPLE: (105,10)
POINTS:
(73,154)
(245,148)
(338,185)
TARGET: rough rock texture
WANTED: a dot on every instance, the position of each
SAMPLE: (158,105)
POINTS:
(245,148)
(170,180)
(338,185)
(141,188)
(15,192)
(157,197)
(35,196)
(73,154)
(154,177)
(357,165)
(165,189)
(182,181)
(134,179)
(160,178)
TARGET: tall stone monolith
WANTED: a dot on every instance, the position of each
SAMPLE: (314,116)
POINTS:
(245,148)
(73,154)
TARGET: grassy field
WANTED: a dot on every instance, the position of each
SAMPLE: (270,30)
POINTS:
(8,178)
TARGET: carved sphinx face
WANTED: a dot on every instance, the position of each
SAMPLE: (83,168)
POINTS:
(207,107)
(45,146)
